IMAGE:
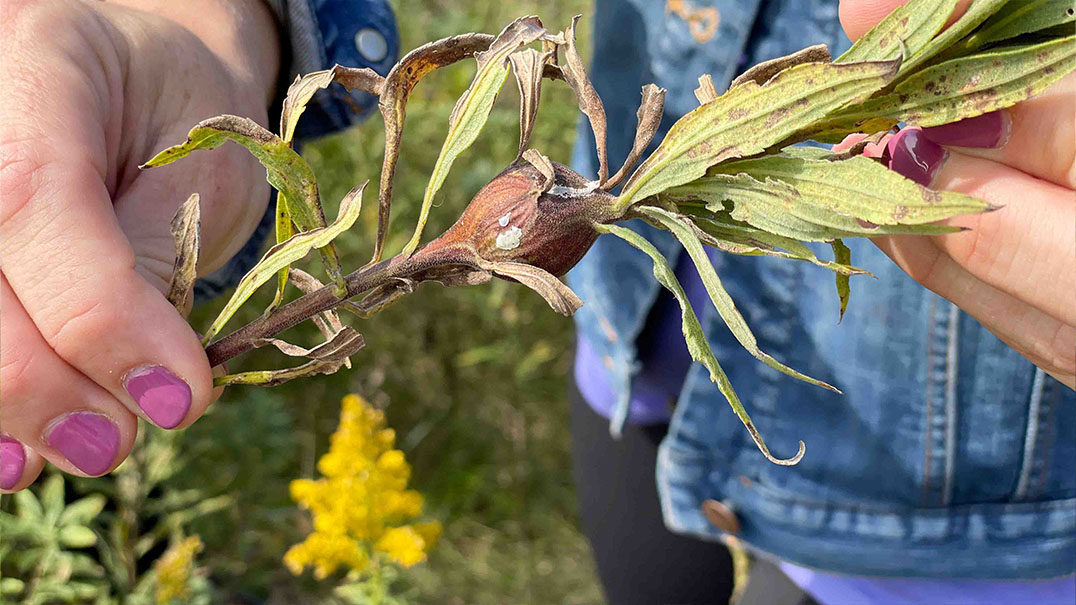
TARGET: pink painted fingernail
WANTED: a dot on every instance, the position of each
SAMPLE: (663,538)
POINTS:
(914,156)
(12,461)
(88,440)
(162,395)
(988,131)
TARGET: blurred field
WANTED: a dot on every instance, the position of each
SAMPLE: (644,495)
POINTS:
(473,380)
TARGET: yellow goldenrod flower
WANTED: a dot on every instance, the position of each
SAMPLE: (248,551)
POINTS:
(362,505)
(174,569)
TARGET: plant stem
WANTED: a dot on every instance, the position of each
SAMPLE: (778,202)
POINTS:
(324,299)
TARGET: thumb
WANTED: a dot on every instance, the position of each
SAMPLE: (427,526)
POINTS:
(858,16)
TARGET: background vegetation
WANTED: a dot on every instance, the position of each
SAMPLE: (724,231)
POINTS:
(473,380)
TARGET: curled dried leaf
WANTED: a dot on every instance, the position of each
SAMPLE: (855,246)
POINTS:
(589,102)
(544,166)
(304,87)
(328,322)
(186,235)
(326,358)
(395,91)
(649,119)
(528,66)
(761,73)
(706,92)
(559,296)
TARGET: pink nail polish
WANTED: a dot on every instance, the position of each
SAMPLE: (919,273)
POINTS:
(88,440)
(162,395)
(988,131)
(914,156)
(12,461)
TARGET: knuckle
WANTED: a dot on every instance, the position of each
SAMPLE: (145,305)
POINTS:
(83,325)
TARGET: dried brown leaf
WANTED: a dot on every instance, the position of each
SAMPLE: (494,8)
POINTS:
(559,296)
(186,234)
(589,101)
(325,358)
(706,92)
(544,166)
(528,67)
(762,72)
(649,119)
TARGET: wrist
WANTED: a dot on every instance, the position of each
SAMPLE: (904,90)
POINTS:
(242,33)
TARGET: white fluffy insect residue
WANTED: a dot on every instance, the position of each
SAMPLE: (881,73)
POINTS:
(504,219)
(509,240)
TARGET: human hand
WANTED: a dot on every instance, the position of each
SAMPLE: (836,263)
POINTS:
(1013,269)
(90,91)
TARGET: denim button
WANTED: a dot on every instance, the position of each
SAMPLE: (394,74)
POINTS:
(371,44)
(721,516)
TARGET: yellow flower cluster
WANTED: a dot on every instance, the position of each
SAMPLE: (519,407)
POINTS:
(174,569)
(362,505)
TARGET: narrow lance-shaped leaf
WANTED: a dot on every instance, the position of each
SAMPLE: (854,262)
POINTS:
(842,255)
(589,102)
(958,89)
(858,187)
(285,170)
(559,296)
(651,108)
(912,26)
(285,253)
(695,337)
(527,66)
(750,118)
(721,299)
(778,207)
(976,13)
(1023,18)
(735,237)
(326,358)
(186,229)
(299,94)
(393,103)
(472,110)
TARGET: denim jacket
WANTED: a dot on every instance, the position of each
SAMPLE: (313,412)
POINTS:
(948,455)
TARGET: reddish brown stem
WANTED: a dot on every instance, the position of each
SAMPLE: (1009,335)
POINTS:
(309,305)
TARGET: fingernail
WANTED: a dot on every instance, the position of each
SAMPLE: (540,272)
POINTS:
(162,395)
(12,461)
(88,440)
(988,131)
(914,156)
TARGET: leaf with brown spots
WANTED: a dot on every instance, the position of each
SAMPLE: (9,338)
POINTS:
(907,29)
(1023,18)
(749,119)
(761,73)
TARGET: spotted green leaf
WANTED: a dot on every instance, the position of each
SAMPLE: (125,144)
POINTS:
(285,170)
(750,118)
(696,339)
(906,30)
(472,110)
(721,299)
(977,12)
(285,253)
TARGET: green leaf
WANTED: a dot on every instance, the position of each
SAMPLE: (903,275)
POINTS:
(282,255)
(77,536)
(908,29)
(472,110)
(52,498)
(735,237)
(856,188)
(285,170)
(82,511)
(978,11)
(696,339)
(11,586)
(721,299)
(842,255)
(750,118)
(1024,17)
